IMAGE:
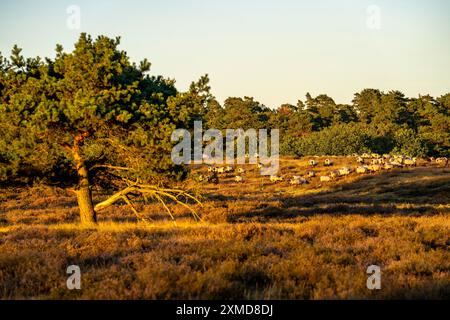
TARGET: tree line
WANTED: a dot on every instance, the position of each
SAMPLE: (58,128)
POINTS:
(375,121)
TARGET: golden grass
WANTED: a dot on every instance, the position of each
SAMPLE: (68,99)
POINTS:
(258,241)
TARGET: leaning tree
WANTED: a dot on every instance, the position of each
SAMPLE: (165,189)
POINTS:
(92,118)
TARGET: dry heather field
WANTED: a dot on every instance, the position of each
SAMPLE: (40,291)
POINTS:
(258,240)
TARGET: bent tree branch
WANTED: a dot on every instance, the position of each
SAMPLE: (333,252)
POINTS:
(162,195)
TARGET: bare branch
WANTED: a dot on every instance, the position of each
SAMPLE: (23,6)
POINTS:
(153,192)
(107,166)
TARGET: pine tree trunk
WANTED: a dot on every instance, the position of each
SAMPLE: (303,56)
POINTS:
(85,205)
(83,192)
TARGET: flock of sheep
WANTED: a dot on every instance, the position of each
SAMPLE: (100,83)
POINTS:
(367,163)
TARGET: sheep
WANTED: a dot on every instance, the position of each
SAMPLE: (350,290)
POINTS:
(396,164)
(325,179)
(399,159)
(297,180)
(241,170)
(313,163)
(443,161)
(311,174)
(375,167)
(362,170)
(239,179)
(276,179)
(344,171)
(386,156)
(410,162)
(229,169)
(211,169)
(328,163)
(377,161)
(220,170)
(304,181)
(360,160)
(375,155)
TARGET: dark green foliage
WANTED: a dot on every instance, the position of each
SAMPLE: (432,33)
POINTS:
(343,139)
(407,142)
(244,113)
(366,104)
(376,122)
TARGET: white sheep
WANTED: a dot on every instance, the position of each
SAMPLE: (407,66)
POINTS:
(377,161)
(313,163)
(375,167)
(241,170)
(399,159)
(220,170)
(297,180)
(410,162)
(345,171)
(443,161)
(276,179)
(362,170)
(229,169)
(311,174)
(396,164)
(328,162)
(238,179)
(325,179)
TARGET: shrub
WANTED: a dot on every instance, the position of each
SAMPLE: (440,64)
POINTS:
(343,139)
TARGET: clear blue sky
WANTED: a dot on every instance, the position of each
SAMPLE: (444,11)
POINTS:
(275,51)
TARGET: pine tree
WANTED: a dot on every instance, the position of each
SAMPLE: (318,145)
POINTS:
(91,117)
